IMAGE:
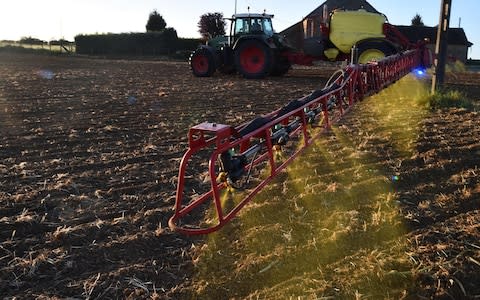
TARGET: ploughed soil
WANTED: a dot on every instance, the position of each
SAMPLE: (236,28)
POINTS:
(385,205)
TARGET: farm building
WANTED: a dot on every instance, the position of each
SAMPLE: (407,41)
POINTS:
(309,27)
(458,43)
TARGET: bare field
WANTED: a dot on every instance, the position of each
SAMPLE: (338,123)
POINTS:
(385,206)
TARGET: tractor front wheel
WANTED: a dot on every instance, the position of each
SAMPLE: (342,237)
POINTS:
(253,59)
(202,62)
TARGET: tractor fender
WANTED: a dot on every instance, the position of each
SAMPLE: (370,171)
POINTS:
(380,42)
(370,48)
(239,41)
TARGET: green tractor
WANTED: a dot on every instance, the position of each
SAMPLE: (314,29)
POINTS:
(252,49)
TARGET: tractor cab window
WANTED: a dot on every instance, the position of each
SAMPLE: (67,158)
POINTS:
(256,25)
(253,25)
(242,26)
(267,26)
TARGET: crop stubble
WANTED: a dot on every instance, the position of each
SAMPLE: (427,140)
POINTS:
(88,163)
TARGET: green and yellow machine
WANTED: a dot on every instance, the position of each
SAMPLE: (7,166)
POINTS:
(254,50)
(368,33)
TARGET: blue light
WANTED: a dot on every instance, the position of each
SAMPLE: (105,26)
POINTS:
(420,72)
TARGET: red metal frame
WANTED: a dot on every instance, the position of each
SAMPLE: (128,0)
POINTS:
(394,35)
(357,82)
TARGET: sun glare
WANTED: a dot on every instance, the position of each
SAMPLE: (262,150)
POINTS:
(336,200)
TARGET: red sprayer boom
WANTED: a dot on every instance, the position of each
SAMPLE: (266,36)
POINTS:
(232,155)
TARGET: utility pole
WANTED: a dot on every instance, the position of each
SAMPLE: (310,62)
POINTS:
(441,45)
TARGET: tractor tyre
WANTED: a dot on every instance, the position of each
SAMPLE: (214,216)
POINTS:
(374,50)
(253,59)
(202,62)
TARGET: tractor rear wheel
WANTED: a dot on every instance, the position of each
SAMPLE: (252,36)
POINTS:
(374,51)
(253,59)
(202,62)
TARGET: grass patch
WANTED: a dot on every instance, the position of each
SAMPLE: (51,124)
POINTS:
(446,99)
(456,67)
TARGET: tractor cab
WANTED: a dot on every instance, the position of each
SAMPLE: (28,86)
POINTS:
(250,24)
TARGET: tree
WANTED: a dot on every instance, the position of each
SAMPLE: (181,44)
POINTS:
(31,41)
(211,25)
(417,20)
(155,22)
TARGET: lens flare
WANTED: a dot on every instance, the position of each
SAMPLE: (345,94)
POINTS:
(131,100)
(46,74)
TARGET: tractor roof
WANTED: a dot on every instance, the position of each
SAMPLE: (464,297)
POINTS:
(250,15)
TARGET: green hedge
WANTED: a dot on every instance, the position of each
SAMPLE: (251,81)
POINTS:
(165,42)
(188,44)
(446,99)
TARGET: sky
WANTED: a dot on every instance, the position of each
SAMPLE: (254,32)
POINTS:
(55,19)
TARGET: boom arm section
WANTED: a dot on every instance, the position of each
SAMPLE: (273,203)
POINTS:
(245,158)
